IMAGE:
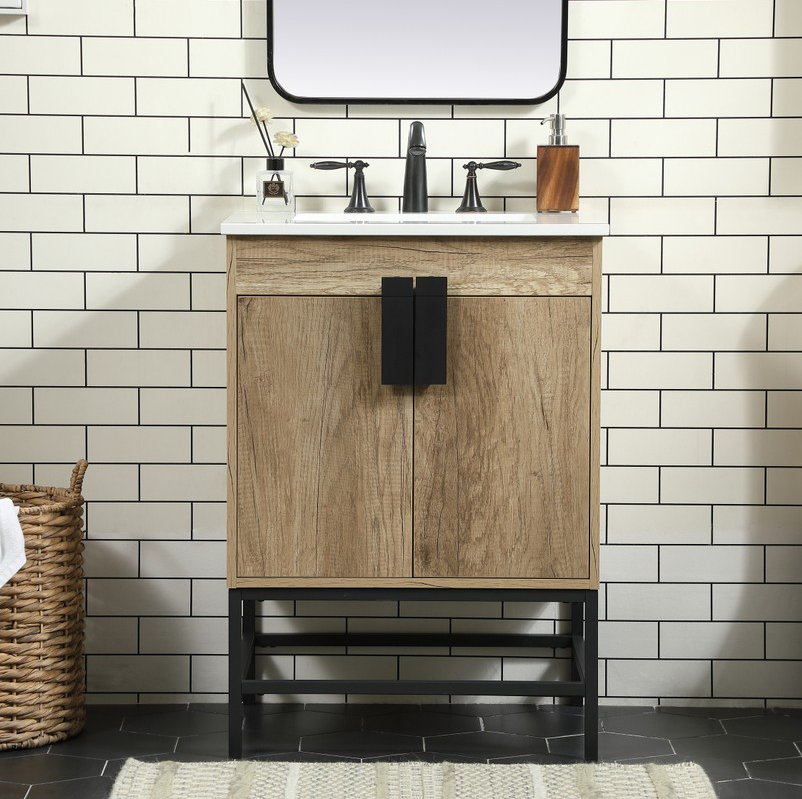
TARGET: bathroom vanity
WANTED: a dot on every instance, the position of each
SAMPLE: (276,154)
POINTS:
(394,436)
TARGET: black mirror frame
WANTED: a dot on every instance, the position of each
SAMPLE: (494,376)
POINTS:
(419,100)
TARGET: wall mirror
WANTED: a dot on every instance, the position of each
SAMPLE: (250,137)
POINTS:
(417,51)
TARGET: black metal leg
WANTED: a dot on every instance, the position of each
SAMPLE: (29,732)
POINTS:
(249,639)
(235,671)
(591,675)
(577,631)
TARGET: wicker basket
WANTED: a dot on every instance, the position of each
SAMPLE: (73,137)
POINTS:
(42,620)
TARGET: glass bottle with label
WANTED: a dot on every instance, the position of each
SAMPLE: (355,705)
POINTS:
(275,194)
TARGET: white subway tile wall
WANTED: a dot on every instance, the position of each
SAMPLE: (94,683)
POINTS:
(123,145)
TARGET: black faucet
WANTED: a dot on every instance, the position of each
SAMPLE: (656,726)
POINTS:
(416,195)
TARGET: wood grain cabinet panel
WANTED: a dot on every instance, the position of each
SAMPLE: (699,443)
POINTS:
(324,451)
(502,450)
(490,480)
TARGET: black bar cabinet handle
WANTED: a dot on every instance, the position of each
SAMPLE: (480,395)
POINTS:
(430,330)
(397,331)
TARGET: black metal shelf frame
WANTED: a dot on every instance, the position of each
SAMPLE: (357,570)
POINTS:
(581,641)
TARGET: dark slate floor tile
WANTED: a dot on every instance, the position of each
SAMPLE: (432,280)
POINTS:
(111,745)
(785,728)
(8,754)
(183,722)
(38,768)
(483,709)
(782,770)
(787,711)
(616,711)
(422,723)
(734,747)
(218,708)
(361,744)
(756,789)
(88,788)
(486,744)
(715,712)
(303,722)
(509,733)
(99,722)
(213,746)
(271,708)
(663,725)
(134,710)
(612,746)
(542,725)
(362,710)
(11,791)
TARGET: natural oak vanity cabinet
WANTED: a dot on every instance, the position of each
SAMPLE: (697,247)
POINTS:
(487,481)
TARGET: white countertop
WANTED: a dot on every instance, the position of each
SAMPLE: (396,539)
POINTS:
(252,223)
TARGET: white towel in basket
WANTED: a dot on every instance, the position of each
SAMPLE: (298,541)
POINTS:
(12,541)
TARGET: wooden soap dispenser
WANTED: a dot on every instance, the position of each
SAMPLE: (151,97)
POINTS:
(557,170)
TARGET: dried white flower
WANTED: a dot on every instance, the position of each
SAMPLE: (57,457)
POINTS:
(286,139)
(264,115)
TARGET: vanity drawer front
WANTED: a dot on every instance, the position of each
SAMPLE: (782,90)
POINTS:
(355,265)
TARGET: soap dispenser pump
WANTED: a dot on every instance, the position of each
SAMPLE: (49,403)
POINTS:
(557,170)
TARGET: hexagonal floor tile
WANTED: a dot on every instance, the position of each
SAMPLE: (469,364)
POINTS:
(783,728)
(10,791)
(781,770)
(305,722)
(271,708)
(663,725)
(715,712)
(33,769)
(486,744)
(755,789)
(734,747)
(88,788)
(538,724)
(213,746)
(614,711)
(483,709)
(612,746)
(422,723)
(183,722)
(111,745)
(361,744)
(362,709)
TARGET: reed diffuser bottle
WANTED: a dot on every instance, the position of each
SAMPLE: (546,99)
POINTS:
(557,170)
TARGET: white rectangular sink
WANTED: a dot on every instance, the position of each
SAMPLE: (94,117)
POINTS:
(434,218)
(252,223)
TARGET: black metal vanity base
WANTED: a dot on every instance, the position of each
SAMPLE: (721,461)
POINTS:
(582,641)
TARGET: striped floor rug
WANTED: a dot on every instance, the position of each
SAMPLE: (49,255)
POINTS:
(248,779)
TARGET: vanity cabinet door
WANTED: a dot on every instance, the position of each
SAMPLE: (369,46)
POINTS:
(502,451)
(323,449)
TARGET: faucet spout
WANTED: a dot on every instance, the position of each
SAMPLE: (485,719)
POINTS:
(416,194)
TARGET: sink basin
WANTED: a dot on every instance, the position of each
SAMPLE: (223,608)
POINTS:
(432,218)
